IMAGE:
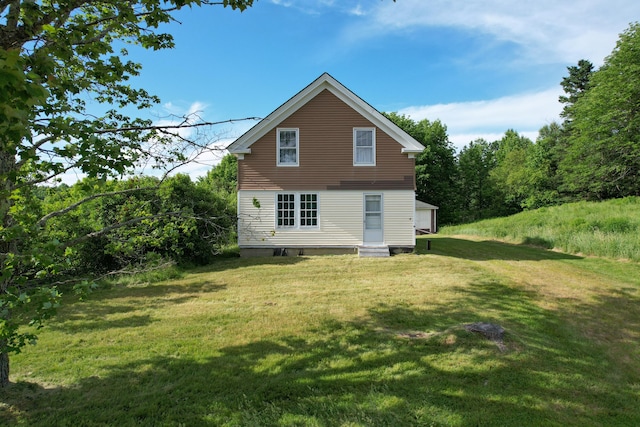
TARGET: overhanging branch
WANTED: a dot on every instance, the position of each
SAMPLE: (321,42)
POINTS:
(184,125)
(73,206)
(117,226)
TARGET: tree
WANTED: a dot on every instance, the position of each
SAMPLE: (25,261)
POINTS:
(54,56)
(542,180)
(436,169)
(510,174)
(574,86)
(479,194)
(179,222)
(223,177)
(603,152)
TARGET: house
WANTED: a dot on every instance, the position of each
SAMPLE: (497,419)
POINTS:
(325,173)
(426,218)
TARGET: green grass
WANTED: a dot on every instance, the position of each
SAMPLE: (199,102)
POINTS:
(344,341)
(610,229)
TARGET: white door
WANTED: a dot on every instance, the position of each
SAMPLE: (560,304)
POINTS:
(373,219)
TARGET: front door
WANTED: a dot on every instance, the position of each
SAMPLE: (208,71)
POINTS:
(373,219)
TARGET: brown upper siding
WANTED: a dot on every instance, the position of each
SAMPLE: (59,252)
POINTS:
(326,154)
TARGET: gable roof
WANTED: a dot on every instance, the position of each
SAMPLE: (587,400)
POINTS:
(325,81)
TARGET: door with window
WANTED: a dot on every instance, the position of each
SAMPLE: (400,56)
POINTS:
(373,219)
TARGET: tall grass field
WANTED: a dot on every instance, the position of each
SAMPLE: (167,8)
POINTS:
(610,229)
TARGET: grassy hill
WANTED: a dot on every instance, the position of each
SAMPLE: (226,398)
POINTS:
(609,229)
(345,341)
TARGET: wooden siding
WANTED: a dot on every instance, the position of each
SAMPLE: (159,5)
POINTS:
(340,220)
(326,154)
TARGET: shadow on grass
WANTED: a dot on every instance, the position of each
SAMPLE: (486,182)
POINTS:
(364,372)
(91,316)
(223,264)
(119,300)
(486,250)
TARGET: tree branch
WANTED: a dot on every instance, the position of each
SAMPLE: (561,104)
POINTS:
(117,226)
(14,14)
(183,125)
(4,4)
(42,221)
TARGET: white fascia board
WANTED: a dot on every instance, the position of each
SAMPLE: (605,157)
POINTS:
(412,151)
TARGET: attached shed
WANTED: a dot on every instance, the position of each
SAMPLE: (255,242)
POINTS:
(426,218)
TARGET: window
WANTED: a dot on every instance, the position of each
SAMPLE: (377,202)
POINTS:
(308,210)
(364,147)
(286,210)
(287,147)
(297,210)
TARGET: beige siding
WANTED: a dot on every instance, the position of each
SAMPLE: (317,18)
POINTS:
(340,218)
(325,126)
(398,218)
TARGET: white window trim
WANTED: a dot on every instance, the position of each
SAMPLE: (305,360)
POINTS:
(373,132)
(296,201)
(297,131)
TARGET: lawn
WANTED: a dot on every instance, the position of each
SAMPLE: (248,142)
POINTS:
(344,341)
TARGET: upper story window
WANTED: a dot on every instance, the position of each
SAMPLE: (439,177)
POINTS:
(364,147)
(287,147)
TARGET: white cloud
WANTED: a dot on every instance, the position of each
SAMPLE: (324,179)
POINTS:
(547,31)
(316,7)
(357,11)
(175,114)
(282,3)
(196,108)
(466,121)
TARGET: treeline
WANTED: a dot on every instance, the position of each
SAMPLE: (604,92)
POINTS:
(592,154)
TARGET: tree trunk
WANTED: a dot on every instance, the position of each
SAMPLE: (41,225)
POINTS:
(7,246)
(4,369)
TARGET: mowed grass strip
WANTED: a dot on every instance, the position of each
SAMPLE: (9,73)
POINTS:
(339,340)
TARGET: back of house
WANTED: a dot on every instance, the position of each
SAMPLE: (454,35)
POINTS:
(325,173)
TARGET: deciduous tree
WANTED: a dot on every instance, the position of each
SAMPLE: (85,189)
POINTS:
(510,174)
(436,168)
(603,154)
(55,57)
(479,194)
(542,180)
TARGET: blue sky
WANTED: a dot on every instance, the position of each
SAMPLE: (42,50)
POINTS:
(481,67)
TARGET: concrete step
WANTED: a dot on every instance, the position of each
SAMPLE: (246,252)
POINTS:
(373,251)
